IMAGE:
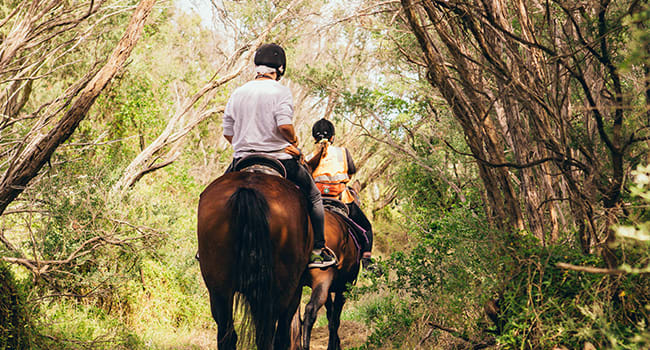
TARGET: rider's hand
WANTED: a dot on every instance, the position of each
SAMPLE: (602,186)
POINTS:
(322,147)
(292,150)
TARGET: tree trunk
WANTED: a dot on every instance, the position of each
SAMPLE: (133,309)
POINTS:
(28,163)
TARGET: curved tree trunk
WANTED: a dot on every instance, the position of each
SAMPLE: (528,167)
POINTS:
(27,163)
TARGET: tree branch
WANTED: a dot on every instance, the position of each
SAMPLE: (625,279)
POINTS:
(589,269)
(521,165)
(38,153)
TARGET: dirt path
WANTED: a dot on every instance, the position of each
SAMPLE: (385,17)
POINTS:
(352,335)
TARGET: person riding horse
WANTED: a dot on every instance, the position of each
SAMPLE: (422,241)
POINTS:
(332,168)
(258,120)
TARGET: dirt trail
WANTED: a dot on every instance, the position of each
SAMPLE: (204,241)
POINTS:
(352,335)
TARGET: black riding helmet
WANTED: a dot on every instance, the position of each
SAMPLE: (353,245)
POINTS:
(271,55)
(323,129)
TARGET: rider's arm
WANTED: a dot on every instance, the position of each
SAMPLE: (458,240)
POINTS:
(289,133)
(228,122)
(283,115)
(315,160)
(352,169)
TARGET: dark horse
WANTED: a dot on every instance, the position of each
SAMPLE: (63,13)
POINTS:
(329,285)
(254,240)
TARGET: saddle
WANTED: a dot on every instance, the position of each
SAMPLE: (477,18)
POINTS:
(257,163)
(336,206)
(357,233)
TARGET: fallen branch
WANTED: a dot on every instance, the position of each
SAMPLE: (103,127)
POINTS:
(589,269)
(475,344)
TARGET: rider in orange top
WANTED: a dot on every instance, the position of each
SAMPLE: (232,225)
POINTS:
(332,167)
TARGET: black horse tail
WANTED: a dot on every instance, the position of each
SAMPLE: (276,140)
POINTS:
(253,267)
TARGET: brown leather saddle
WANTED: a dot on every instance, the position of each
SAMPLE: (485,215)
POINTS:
(257,163)
(335,205)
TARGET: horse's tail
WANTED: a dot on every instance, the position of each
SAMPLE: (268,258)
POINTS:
(253,267)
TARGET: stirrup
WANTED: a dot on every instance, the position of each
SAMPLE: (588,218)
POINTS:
(336,259)
(316,260)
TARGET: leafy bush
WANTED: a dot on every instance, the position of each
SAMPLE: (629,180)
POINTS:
(392,318)
(542,305)
(457,265)
(444,279)
(15,321)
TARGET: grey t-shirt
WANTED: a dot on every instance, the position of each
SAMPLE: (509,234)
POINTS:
(252,116)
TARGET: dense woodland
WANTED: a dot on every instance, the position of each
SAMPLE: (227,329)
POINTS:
(502,149)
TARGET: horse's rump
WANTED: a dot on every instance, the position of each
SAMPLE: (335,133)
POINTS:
(338,238)
(254,239)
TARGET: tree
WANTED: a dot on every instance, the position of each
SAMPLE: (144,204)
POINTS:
(189,112)
(30,154)
(550,118)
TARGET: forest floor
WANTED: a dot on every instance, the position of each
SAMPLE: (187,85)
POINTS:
(352,334)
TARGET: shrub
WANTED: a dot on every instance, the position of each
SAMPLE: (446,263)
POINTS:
(15,323)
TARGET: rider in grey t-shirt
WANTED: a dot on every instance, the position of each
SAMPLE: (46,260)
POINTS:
(256,109)
(258,119)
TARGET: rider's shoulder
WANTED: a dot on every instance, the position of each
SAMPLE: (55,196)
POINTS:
(265,86)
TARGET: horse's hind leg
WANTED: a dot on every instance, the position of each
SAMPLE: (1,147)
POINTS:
(319,295)
(283,338)
(222,313)
(334,316)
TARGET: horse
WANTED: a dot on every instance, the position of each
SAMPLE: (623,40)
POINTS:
(332,281)
(254,240)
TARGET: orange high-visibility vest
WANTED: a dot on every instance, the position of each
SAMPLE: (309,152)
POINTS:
(331,174)
(333,168)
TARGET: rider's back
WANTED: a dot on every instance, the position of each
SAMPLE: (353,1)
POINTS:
(253,114)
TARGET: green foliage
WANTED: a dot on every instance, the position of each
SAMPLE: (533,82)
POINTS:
(428,194)
(397,109)
(392,318)
(542,305)
(132,112)
(16,332)
(136,285)
(81,326)
(137,107)
(445,275)
(454,270)
(457,265)
(638,51)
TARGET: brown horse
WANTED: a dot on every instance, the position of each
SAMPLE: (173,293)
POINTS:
(254,244)
(333,281)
